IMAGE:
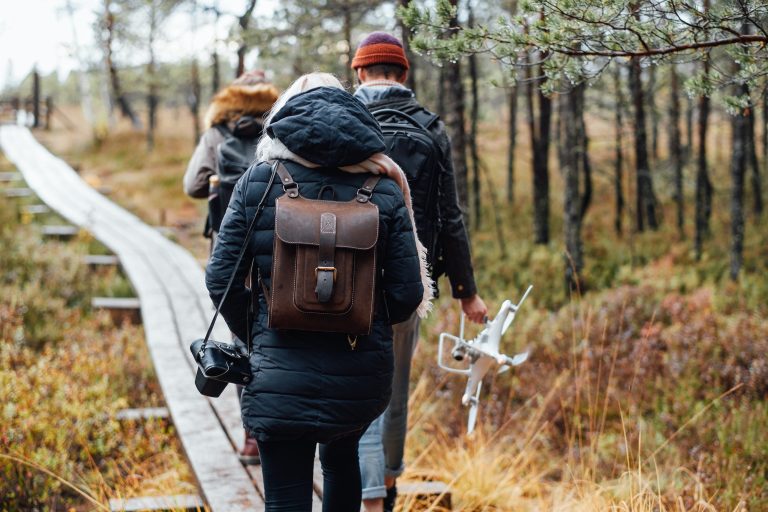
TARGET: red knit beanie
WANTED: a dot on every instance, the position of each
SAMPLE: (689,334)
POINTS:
(380,48)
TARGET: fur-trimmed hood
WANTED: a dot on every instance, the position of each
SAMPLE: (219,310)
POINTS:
(237,100)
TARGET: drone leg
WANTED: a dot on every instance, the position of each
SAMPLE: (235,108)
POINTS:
(473,403)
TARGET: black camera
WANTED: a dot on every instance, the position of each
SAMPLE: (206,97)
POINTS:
(218,364)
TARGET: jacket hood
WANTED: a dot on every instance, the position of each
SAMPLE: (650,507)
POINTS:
(328,127)
(235,101)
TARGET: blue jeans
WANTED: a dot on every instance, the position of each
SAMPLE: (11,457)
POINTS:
(381,447)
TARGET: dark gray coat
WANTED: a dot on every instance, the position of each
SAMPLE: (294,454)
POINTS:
(452,251)
(311,385)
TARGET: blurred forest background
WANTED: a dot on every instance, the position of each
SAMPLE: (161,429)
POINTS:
(612,153)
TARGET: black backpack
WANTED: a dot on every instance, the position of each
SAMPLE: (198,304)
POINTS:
(410,144)
(233,157)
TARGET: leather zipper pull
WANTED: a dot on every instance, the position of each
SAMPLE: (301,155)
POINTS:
(352,340)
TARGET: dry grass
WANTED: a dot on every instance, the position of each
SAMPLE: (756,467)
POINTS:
(65,371)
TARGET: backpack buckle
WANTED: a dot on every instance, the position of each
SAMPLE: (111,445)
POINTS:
(364,194)
(291,189)
(326,269)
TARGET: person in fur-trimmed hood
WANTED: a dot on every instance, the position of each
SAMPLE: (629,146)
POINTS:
(249,95)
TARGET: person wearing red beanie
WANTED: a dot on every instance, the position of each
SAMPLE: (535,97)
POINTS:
(382,69)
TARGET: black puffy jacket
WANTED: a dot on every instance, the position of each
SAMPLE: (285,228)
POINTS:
(310,385)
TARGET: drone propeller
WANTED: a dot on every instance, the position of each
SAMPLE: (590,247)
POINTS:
(517,360)
(473,403)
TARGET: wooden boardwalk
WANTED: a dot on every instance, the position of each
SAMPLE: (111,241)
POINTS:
(175,309)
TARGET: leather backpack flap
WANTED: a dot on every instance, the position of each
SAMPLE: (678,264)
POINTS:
(324,262)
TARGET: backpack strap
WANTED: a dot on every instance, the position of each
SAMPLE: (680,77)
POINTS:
(326,266)
(246,239)
(407,106)
(425,118)
(290,187)
(365,192)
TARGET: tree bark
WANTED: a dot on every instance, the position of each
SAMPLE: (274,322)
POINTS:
(152,79)
(215,73)
(755,181)
(441,87)
(586,164)
(572,111)
(618,186)
(704,187)
(512,126)
(194,98)
(406,34)
(654,113)
(454,109)
(347,23)
(675,146)
(474,119)
(36,98)
(512,142)
(540,140)
(738,170)
(243,21)
(646,201)
(688,149)
(117,91)
(739,159)
(765,129)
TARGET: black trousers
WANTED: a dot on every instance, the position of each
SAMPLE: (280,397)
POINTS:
(287,467)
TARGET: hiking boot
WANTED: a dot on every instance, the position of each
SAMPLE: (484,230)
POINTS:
(390,499)
(250,452)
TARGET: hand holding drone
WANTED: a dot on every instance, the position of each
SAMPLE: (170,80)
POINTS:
(482,352)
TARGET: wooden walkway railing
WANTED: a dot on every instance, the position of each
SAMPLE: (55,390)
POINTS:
(175,309)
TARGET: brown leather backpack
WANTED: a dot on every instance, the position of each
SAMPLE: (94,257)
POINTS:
(324,261)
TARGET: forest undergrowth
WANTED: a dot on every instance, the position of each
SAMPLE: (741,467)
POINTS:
(645,390)
(65,371)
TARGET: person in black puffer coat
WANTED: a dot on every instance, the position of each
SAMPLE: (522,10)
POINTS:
(311,387)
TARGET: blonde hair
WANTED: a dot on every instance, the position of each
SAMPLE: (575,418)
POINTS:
(302,84)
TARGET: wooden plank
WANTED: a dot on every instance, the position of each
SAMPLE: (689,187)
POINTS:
(120,309)
(146,413)
(181,502)
(166,231)
(170,316)
(431,492)
(36,209)
(60,232)
(8,177)
(101,260)
(18,192)
(132,303)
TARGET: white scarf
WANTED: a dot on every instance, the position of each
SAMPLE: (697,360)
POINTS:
(376,164)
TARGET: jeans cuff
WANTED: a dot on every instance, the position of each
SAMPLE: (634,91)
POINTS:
(394,473)
(372,493)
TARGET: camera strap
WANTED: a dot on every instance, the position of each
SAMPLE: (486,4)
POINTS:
(248,233)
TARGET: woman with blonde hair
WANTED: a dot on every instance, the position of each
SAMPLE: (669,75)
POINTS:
(317,387)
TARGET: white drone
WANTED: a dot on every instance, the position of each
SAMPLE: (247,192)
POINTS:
(483,352)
